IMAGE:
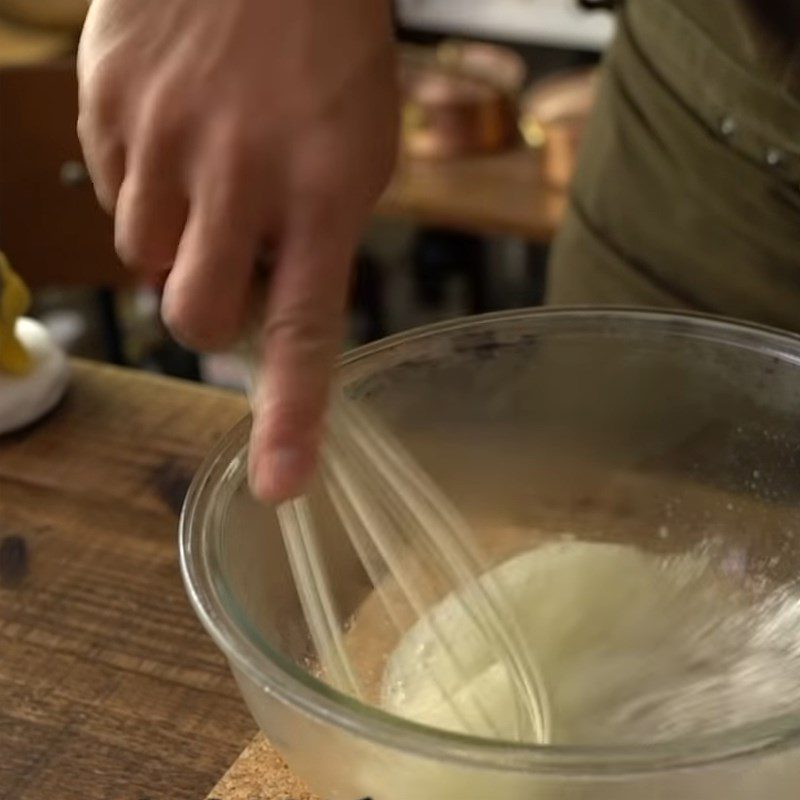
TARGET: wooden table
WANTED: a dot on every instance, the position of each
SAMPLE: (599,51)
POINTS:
(502,194)
(109,688)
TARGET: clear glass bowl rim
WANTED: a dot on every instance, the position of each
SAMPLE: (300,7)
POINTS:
(272,671)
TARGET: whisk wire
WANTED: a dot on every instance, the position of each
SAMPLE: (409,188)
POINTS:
(316,597)
(435,531)
(384,555)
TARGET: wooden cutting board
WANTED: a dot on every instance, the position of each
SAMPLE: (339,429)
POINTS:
(259,773)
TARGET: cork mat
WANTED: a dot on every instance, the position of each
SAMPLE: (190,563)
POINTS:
(260,774)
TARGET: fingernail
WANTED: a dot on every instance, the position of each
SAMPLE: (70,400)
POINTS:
(281,474)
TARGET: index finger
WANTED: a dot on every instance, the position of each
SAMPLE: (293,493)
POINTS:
(302,336)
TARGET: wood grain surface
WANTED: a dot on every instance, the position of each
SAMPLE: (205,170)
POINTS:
(504,194)
(109,688)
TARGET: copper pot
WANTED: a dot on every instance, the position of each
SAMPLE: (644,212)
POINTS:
(553,114)
(459,99)
(500,67)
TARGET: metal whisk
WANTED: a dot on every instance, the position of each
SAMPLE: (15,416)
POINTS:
(408,536)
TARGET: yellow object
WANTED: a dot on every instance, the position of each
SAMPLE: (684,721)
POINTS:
(14,301)
(21,44)
(65,15)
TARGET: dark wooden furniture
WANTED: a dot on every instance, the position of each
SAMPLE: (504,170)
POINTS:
(51,227)
(503,194)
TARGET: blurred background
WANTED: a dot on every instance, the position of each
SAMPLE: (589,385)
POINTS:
(495,93)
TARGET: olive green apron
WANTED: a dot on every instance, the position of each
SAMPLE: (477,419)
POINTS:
(687,193)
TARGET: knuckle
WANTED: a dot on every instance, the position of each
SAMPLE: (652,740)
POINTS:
(126,242)
(325,211)
(319,189)
(238,148)
(143,243)
(299,416)
(134,250)
(100,101)
(194,325)
(319,193)
(105,189)
(321,176)
(127,248)
(311,338)
(129,240)
(164,119)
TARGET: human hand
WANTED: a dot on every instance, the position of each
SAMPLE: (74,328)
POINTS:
(215,130)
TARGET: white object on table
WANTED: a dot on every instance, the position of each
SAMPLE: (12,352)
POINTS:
(26,398)
(557,23)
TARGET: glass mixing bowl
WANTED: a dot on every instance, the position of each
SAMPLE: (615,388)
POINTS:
(604,425)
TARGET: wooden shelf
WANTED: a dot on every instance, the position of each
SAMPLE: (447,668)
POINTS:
(503,194)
